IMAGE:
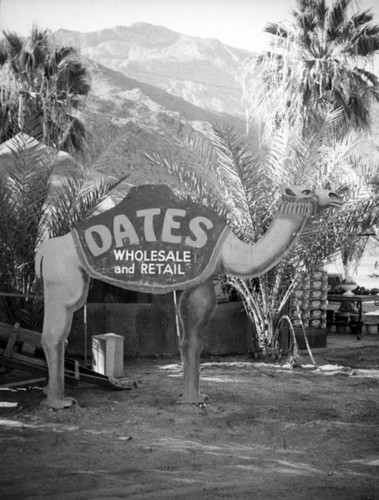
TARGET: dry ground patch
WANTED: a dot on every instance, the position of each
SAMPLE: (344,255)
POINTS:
(268,432)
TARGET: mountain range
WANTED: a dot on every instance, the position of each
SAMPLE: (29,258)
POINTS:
(204,72)
(151,88)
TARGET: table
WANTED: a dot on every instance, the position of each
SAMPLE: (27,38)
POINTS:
(357,299)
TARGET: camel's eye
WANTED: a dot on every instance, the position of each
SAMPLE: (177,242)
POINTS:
(306,191)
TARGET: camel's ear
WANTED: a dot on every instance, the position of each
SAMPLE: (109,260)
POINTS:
(289,192)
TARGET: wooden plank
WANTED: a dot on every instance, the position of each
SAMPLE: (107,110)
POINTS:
(22,383)
(25,335)
(10,345)
(27,348)
(21,295)
(7,326)
(22,357)
(86,375)
(12,340)
(32,368)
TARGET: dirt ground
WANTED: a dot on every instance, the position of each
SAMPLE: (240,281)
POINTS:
(268,432)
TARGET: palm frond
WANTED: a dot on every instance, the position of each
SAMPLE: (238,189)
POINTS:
(32,207)
(24,186)
(75,199)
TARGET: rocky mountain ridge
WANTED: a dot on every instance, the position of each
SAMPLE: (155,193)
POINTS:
(140,118)
(204,72)
(137,120)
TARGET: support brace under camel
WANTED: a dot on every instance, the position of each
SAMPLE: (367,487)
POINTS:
(154,242)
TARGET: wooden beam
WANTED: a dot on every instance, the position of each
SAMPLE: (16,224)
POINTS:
(21,383)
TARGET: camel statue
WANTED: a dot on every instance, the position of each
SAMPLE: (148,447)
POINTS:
(65,268)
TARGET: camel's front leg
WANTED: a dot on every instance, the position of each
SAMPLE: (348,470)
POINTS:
(57,324)
(196,308)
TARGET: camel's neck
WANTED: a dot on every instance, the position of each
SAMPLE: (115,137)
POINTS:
(241,259)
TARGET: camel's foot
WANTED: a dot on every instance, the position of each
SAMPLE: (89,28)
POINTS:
(200,400)
(58,403)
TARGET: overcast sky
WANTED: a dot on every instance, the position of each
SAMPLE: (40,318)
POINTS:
(238,23)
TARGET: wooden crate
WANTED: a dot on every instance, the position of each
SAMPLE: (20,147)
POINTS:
(108,354)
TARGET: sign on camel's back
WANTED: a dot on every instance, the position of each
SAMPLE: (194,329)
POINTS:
(151,242)
(155,242)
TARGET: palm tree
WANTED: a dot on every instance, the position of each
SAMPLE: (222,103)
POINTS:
(314,90)
(244,186)
(313,93)
(35,205)
(42,89)
(317,64)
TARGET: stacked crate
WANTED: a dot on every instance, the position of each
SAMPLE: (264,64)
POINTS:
(308,303)
(299,305)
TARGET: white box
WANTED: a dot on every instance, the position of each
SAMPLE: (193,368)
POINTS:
(108,354)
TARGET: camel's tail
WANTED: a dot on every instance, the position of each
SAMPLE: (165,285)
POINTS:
(38,262)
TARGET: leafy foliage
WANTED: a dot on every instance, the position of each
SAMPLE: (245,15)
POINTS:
(35,204)
(41,90)
(24,188)
(245,189)
(310,97)
(318,64)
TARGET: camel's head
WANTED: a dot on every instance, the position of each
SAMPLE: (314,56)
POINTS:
(325,199)
(302,200)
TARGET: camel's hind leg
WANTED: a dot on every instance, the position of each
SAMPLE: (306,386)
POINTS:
(65,291)
(196,308)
